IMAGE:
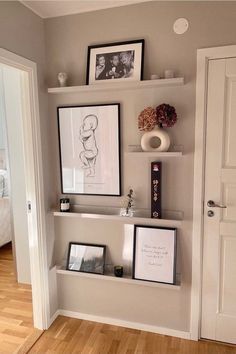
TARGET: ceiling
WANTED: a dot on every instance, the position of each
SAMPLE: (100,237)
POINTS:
(55,8)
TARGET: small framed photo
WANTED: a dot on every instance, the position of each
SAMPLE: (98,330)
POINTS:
(87,258)
(89,143)
(154,254)
(122,61)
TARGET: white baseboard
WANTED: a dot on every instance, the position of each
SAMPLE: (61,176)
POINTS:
(54,317)
(121,323)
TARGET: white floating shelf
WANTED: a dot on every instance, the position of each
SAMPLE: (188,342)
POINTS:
(114,86)
(154,154)
(125,279)
(126,220)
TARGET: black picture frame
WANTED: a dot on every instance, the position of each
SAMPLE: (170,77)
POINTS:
(118,47)
(111,111)
(96,266)
(149,251)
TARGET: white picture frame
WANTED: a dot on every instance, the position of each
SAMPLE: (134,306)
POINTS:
(89,146)
(154,257)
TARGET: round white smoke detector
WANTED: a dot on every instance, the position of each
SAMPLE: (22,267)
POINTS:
(180,26)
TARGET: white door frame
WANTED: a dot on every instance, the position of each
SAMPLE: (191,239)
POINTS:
(203,57)
(34,185)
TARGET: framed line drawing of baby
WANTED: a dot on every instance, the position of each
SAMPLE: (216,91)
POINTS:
(122,61)
(89,145)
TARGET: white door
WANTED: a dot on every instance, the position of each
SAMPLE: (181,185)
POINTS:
(219,246)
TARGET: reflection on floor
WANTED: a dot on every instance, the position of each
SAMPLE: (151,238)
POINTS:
(16,323)
(67,335)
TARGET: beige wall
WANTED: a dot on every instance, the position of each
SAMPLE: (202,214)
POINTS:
(177,196)
(67,39)
(211,24)
(22,32)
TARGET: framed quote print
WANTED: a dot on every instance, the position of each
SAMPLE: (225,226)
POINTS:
(154,256)
(119,62)
(89,144)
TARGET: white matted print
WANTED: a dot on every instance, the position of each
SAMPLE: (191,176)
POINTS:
(89,141)
(154,254)
(118,61)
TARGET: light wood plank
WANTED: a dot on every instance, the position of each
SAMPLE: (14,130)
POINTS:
(17,334)
(68,336)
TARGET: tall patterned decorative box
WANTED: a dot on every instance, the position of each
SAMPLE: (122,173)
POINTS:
(156,190)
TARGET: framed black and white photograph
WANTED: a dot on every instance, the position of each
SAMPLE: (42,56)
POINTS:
(87,258)
(89,141)
(154,257)
(119,62)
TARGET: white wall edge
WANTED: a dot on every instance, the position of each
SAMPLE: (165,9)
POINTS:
(122,323)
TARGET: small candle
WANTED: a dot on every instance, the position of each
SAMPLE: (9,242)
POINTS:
(118,271)
(65,205)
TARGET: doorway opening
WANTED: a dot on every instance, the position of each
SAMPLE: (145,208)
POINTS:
(15,285)
(19,88)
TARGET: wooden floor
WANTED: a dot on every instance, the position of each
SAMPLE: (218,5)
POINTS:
(68,336)
(16,325)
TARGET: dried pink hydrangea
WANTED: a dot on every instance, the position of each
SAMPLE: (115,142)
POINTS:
(147,119)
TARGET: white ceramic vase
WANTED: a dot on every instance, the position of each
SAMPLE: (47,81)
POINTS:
(155,140)
(62,79)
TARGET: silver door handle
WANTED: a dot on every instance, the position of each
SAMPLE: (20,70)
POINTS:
(212,204)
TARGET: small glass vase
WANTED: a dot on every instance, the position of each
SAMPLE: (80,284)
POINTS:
(128,212)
